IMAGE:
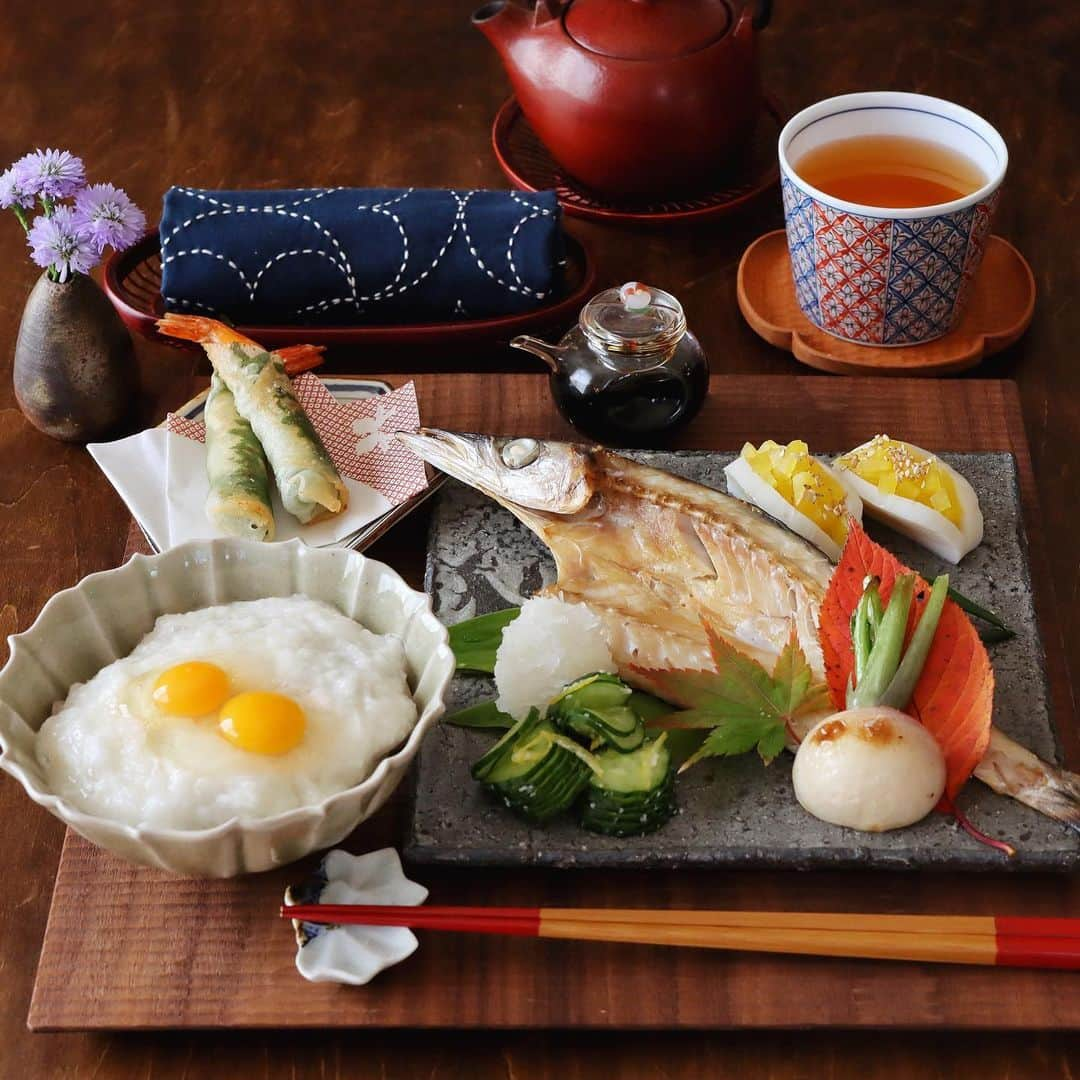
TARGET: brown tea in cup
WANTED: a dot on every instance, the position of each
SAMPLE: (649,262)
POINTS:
(894,171)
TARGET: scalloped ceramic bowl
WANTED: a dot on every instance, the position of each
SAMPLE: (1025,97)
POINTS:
(82,629)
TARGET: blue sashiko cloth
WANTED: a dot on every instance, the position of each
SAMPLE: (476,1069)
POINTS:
(359,255)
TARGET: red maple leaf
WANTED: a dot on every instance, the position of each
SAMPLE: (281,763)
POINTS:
(954,696)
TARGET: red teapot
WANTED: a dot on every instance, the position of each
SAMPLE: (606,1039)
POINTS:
(634,98)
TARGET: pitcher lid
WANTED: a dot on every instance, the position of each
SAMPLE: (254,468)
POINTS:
(633,318)
(646,29)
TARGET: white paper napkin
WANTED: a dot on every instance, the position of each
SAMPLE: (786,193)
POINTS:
(135,466)
(186,487)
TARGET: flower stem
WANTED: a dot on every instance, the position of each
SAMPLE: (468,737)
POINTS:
(21,215)
(1005,848)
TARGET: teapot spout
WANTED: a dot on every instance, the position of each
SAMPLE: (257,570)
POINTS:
(501,22)
(550,354)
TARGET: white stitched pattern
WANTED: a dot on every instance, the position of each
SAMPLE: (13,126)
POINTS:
(458,218)
(213,255)
(342,265)
(510,245)
(387,202)
(336,255)
(387,290)
(284,255)
(319,193)
(520,287)
(542,210)
(190,303)
(322,305)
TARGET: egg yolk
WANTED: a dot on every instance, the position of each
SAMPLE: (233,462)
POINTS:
(191,689)
(262,722)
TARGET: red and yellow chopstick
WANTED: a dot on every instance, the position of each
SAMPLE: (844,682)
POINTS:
(957,939)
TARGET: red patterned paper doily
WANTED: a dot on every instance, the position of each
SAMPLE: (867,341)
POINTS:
(358,435)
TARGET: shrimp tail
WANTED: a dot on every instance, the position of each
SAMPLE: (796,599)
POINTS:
(200,328)
(300,358)
(1012,770)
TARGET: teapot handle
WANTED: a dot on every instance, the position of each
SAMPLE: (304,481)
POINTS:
(762,14)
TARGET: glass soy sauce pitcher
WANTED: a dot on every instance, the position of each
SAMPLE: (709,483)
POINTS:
(630,372)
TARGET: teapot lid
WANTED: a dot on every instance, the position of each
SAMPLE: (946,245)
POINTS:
(646,29)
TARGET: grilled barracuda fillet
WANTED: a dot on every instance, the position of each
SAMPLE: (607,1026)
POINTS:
(653,554)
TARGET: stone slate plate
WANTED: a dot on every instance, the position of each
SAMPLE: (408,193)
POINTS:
(734,812)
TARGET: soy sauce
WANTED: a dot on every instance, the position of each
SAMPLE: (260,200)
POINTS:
(630,372)
(634,408)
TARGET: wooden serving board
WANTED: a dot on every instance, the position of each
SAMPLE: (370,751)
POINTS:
(132,948)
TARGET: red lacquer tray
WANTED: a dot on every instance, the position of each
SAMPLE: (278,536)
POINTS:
(529,166)
(133,284)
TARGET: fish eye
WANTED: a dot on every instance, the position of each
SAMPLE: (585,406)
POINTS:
(518,453)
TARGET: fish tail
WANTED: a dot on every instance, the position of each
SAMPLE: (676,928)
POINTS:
(1012,770)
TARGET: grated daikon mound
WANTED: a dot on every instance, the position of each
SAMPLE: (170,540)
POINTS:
(548,645)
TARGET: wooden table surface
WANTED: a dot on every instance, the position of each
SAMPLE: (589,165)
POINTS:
(304,93)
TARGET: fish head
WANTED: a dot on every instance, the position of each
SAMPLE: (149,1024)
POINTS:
(533,473)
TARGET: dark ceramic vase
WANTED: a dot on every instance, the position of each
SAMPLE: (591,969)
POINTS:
(74,363)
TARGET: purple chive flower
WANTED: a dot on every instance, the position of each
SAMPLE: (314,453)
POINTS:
(53,174)
(62,243)
(13,191)
(109,216)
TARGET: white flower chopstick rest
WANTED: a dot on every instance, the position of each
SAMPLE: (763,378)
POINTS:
(353,954)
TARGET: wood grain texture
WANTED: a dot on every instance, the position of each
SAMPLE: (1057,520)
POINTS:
(134,948)
(999,310)
(306,92)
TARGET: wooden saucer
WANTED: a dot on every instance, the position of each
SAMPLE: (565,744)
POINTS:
(998,312)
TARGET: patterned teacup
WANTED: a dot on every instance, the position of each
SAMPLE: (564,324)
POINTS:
(879,276)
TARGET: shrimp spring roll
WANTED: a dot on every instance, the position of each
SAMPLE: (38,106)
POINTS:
(238,501)
(310,486)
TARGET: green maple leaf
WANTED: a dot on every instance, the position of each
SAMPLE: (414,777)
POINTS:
(744,706)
